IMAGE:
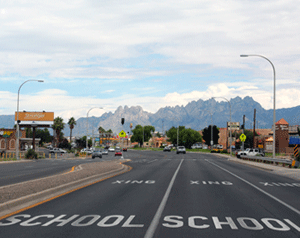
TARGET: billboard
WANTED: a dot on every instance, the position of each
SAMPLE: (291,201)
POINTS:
(35,116)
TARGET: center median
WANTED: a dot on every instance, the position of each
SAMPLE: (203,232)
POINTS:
(22,196)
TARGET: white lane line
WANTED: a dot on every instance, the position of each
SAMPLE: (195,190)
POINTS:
(259,189)
(152,161)
(155,220)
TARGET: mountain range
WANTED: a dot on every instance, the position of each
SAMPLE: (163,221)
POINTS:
(195,115)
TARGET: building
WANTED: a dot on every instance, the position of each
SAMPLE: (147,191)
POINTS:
(8,139)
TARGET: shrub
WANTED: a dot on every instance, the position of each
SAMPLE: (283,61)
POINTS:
(136,146)
(224,151)
(31,154)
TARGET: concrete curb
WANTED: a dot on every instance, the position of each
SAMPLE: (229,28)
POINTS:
(26,202)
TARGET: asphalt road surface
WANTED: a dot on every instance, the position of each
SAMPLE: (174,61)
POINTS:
(11,173)
(168,195)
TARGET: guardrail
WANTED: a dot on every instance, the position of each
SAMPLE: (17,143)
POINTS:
(266,159)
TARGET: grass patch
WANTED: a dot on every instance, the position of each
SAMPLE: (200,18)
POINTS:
(276,154)
(7,159)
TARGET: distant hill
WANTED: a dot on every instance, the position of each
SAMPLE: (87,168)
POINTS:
(195,115)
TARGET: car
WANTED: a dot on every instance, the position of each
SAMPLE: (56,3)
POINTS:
(86,150)
(57,150)
(111,149)
(49,147)
(124,149)
(167,148)
(196,146)
(96,153)
(250,152)
(104,152)
(180,149)
(118,153)
(205,147)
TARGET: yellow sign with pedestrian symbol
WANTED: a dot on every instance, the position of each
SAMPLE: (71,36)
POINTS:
(122,134)
(243,137)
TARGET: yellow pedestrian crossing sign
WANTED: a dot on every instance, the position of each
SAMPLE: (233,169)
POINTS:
(122,134)
(243,137)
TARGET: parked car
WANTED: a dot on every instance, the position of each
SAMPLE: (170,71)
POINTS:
(180,149)
(96,153)
(104,152)
(57,150)
(205,147)
(111,149)
(167,148)
(196,146)
(86,150)
(250,152)
(124,149)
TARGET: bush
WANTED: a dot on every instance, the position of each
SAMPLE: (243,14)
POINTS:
(136,146)
(224,151)
(31,154)
(161,147)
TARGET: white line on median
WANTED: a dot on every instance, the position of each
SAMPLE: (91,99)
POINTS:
(155,221)
(259,189)
(152,161)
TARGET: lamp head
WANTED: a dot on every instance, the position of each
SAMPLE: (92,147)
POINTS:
(244,55)
(40,81)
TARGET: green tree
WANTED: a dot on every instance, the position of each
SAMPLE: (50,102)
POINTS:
(81,142)
(172,135)
(207,135)
(72,123)
(190,137)
(140,134)
(158,135)
(44,135)
(58,126)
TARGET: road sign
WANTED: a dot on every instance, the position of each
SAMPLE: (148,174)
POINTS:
(243,137)
(122,134)
(97,139)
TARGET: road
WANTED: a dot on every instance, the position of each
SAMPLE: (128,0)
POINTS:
(169,195)
(11,173)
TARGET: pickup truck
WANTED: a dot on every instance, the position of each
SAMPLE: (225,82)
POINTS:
(250,152)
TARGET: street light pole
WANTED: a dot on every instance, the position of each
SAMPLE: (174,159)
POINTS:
(230,124)
(274,99)
(18,136)
(87,125)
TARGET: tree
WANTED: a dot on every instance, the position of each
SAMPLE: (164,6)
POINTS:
(190,137)
(81,142)
(207,135)
(44,135)
(101,132)
(186,137)
(158,135)
(71,123)
(139,135)
(58,126)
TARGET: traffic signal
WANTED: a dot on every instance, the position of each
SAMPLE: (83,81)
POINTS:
(122,121)
(242,127)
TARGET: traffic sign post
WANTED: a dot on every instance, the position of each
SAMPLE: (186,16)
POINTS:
(122,134)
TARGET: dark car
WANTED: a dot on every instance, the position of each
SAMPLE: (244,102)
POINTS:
(96,153)
(180,149)
(124,149)
(167,148)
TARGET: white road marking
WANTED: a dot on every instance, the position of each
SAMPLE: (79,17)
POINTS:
(259,189)
(155,221)
(152,161)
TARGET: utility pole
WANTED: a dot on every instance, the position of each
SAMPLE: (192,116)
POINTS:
(243,143)
(254,128)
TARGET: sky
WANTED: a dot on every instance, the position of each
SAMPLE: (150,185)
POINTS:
(100,53)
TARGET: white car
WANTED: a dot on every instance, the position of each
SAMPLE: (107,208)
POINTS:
(57,150)
(111,149)
(85,150)
(250,152)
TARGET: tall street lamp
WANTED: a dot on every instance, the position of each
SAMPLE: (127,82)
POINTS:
(274,90)
(230,124)
(18,136)
(87,125)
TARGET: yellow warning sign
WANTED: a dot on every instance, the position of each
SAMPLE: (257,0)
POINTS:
(242,137)
(122,134)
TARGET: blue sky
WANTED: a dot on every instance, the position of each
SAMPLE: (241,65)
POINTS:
(148,53)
